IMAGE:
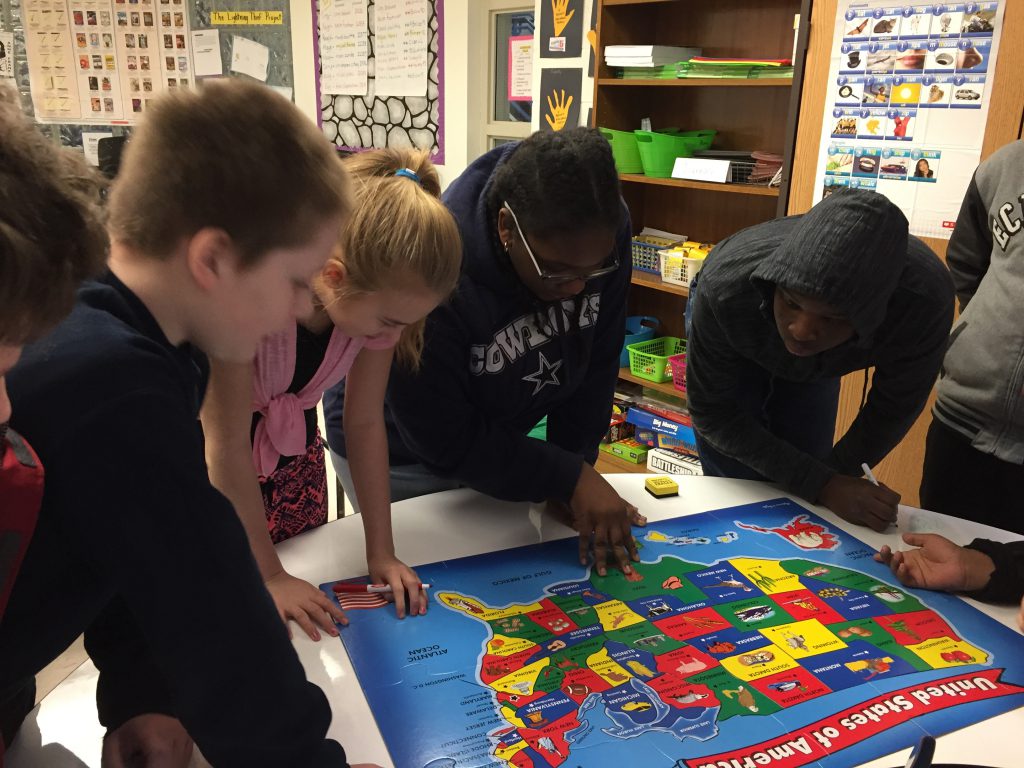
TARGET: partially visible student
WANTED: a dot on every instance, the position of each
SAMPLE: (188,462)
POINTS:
(535,329)
(974,458)
(985,570)
(399,258)
(227,205)
(779,313)
(51,238)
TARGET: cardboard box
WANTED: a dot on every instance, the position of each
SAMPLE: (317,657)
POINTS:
(618,429)
(681,432)
(666,461)
(628,449)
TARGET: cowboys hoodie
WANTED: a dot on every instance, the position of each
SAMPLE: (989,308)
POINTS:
(496,360)
(853,252)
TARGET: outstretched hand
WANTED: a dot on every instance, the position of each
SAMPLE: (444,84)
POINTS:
(937,564)
(299,601)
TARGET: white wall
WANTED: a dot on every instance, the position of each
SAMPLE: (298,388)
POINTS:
(456,68)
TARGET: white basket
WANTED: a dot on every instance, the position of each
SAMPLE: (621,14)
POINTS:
(679,269)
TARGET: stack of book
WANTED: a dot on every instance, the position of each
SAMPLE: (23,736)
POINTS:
(702,66)
(647,56)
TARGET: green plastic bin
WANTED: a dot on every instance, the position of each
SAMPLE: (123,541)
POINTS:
(659,149)
(624,150)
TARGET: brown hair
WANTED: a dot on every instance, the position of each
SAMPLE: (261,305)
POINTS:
(51,226)
(399,233)
(233,155)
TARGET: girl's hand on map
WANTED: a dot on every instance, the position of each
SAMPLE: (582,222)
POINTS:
(151,740)
(938,564)
(861,502)
(603,519)
(307,606)
(385,568)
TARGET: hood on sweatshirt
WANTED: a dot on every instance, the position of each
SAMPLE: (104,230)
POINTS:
(849,252)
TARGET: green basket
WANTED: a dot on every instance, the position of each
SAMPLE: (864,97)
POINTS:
(659,149)
(649,359)
(624,150)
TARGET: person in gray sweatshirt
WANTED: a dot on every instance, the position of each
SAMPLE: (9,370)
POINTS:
(779,313)
(974,459)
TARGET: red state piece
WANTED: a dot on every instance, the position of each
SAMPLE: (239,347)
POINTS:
(676,691)
(521,760)
(552,618)
(495,667)
(802,604)
(791,687)
(581,682)
(916,627)
(549,742)
(685,661)
(683,626)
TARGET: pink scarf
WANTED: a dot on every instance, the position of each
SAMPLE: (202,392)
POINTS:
(282,430)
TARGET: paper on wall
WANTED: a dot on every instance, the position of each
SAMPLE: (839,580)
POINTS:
(344,47)
(206,53)
(249,57)
(90,143)
(6,54)
(402,36)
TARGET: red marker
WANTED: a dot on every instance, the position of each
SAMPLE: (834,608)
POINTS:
(368,587)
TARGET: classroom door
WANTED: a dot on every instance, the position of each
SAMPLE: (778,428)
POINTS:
(501,34)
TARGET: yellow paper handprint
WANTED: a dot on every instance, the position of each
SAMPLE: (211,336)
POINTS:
(559,8)
(559,111)
(592,39)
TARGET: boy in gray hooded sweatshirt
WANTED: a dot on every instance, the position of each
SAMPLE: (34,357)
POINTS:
(784,309)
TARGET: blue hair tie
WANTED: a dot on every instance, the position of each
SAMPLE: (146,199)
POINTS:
(409,174)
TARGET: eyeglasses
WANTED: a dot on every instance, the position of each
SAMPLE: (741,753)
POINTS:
(559,277)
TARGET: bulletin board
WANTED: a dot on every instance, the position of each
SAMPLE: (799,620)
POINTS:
(362,105)
(90,63)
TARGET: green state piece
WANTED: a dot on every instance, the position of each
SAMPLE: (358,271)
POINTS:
(575,657)
(731,691)
(579,612)
(550,679)
(870,632)
(651,581)
(645,637)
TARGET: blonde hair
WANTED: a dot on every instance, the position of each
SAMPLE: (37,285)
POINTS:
(51,226)
(233,155)
(399,234)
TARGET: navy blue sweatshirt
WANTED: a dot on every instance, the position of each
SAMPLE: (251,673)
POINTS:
(496,360)
(135,547)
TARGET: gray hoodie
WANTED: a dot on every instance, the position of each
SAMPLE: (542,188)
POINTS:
(853,252)
(979,393)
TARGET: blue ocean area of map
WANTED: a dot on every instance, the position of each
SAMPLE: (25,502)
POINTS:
(424,671)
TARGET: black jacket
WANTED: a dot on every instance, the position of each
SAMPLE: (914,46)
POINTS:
(136,548)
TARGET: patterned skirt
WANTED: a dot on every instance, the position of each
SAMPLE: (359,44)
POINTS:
(295,495)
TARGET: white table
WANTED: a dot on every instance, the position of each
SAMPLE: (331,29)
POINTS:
(63,732)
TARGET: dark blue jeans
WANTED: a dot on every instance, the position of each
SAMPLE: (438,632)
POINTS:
(801,413)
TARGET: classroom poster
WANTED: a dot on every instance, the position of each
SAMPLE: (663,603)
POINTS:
(592,39)
(561,29)
(401,47)
(344,46)
(909,93)
(520,68)
(560,98)
(753,635)
(6,54)
(51,60)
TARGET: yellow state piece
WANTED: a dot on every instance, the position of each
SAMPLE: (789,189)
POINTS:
(930,652)
(503,645)
(509,713)
(605,667)
(506,753)
(520,681)
(803,638)
(656,536)
(767,575)
(478,610)
(615,614)
(753,665)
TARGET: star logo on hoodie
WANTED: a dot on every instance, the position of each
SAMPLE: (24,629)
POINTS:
(546,374)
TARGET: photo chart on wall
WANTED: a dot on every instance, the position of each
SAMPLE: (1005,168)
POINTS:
(909,94)
(380,73)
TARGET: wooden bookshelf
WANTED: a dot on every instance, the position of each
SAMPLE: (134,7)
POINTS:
(668,388)
(651,280)
(608,464)
(707,186)
(698,82)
